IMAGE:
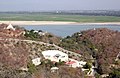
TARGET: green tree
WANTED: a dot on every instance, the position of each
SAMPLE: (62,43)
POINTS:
(87,66)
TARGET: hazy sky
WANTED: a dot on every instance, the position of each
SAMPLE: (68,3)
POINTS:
(38,5)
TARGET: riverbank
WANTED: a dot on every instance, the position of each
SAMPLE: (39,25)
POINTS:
(37,22)
(55,23)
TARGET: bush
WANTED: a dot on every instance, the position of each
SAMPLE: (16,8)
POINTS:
(31,34)
(87,66)
(49,36)
(31,67)
(115,73)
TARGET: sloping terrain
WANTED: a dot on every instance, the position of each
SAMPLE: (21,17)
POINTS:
(16,54)
(102,44)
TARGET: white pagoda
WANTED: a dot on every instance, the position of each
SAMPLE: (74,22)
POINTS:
(10,27)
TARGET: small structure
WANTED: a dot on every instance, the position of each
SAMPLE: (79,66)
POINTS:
(35,31)
(118,57)
(74,63)
(10,27)
(55,55)
(10,31)
(41,33)
(36,61)
(105,75)
(82,63)
(24,68)
(94,29)
(53,69)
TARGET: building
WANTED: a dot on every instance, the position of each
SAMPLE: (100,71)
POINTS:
(82,63)
(10,27)
(40,32)
(55,55)
(36,61)
(74,63)
(10,31)
(53,69)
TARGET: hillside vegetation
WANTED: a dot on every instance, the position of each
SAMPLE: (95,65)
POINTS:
(100,48)
(102,44)
(15,55)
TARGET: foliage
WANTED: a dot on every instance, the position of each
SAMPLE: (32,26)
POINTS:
(48,63)
(115,73)
(31,67)
(97,75)
(87,66)
(49,36)
(102,44)
(31,34)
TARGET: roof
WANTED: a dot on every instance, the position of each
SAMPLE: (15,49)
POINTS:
(82,62)
(71,62)
(54,68)
(10,27)
(36,61)
(53,53)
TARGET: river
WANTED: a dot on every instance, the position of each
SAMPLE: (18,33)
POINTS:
(65,30)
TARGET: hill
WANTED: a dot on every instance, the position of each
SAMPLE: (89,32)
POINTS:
(100,48)
(101,45)
(17,53)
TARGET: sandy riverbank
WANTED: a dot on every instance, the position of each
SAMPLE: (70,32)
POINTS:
(37,22)
(55,23)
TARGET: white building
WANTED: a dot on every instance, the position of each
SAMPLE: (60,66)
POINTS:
(24,68)
(35,31)
(74,63)
(41,33)
(53,69)
(36,61)
(82,63)
(55,55)
(10,27)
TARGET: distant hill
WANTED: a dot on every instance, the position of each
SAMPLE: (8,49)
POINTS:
(72,12)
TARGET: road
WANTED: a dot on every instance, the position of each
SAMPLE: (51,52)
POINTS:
(47,44)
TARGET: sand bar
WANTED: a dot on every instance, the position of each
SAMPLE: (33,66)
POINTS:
(55,23)
(36,22)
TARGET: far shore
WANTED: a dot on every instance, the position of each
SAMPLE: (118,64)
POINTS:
(55,23)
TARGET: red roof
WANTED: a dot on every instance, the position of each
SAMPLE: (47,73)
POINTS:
(71,62)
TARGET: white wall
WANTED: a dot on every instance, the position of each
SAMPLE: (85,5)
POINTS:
(50,54)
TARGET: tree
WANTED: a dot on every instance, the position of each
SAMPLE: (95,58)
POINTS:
(87,66)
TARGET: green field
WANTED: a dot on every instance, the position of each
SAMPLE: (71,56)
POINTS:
(57,17)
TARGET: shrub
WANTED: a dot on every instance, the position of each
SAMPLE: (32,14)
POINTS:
(115,73)
(31,67)
(87,66)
